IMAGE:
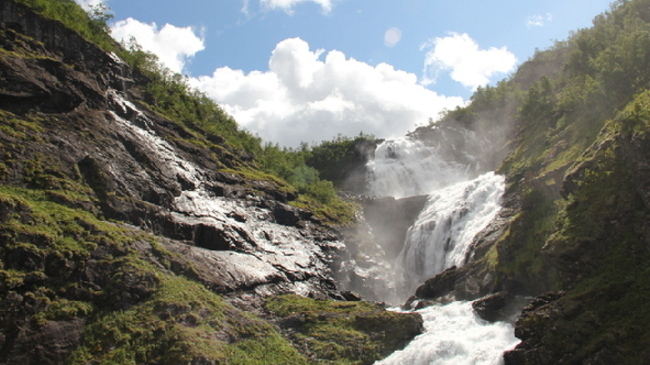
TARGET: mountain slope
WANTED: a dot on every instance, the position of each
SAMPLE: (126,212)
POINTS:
(134,231)
(574,225)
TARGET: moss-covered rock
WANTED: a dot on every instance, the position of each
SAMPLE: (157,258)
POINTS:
(332,332)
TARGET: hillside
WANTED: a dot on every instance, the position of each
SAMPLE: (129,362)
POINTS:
(574,229)
(138,226)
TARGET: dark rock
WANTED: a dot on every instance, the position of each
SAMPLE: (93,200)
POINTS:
(492,307)
(350,296)
(49,344)
(211,237)
(441,284)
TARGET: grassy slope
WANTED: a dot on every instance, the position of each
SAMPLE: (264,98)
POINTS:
(562,99)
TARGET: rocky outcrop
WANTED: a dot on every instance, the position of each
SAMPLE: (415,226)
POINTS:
(355,331)
(123,230)
(139,166)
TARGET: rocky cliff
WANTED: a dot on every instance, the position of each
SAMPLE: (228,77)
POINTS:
(130,236)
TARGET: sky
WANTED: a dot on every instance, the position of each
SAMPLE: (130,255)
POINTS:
(296,71)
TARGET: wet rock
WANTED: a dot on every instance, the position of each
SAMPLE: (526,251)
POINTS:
(492,307)
(441,284)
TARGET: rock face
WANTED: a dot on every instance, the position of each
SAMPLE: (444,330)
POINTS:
(368,265)
(122,230)
(142,170)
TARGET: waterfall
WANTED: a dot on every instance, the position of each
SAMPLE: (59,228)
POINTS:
(406,167)
(460,204)
(442,234)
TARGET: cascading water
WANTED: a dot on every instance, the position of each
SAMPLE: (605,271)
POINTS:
(454,335)
(406,167)
(460,204)
(453,215)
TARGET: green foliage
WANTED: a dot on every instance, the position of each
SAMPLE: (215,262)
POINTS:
(333,332)
(336,158)
(92,27)
(323,191)
(602,232)
(180,323)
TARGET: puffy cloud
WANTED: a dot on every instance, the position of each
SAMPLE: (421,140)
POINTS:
(469,65)
(392,37)
(89,4)
(173,45)
(287,5)
(539,20)
(310,95)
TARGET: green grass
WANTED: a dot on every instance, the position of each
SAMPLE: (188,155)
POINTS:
(180,323)
(333,332)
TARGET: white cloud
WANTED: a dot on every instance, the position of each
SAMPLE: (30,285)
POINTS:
(539,20)
(173,45)
(392,36)
(309,96)
(245,7)
(89,4)
(287,5)
(469,65)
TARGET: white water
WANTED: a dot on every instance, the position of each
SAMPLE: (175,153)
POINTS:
(459,206)
(443,232)
(406,167)
(455,335)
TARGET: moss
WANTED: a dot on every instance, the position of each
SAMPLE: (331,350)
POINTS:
(18,127)
(63,309)
(343,332)
(180,323)
(258,175)
(335,212)
(517,250)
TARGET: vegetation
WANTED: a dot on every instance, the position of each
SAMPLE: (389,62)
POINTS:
(332,332)
(305,170)
(135,312)
(90,26)
(601,230)
(336,158)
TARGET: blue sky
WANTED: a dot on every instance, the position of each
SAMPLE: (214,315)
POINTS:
(436,54)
